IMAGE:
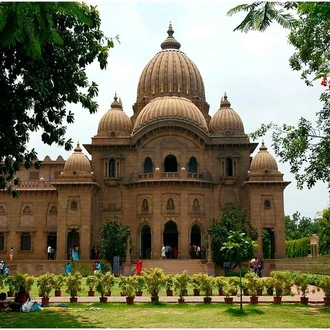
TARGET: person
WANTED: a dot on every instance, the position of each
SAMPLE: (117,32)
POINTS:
(11,253)
(75,253)
(162,253)
(68,268)
(49,252)
(21,297)
(260,267)
(138,266)
(1,267)
(255,266)
(5,269)
(98,267)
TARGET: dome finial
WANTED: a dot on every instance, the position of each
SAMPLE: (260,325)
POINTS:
(77,148)
(115,104)
(170,42)
(224,101)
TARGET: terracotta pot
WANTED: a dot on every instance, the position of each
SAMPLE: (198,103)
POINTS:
(10,294)
(184,292)
(246,292)
(270,291)
(103,299)
(304,300)
(154,298)
(58,293)
(108,294)
(254,299)
(73,299)
(181,300)
(138,293)
(229,300)
(326,301)
(259,292)
(44,301)
(130,300)
(207,300)
(91,293)
(169,293)
(220,292)
(196,292)
(277,299)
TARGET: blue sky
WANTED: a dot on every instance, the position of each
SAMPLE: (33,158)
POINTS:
(252,68)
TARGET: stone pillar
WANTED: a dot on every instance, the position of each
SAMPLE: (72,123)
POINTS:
(128,266)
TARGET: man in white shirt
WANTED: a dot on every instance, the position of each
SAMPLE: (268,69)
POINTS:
(49,252)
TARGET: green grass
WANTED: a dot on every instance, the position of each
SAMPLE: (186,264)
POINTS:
(162,315)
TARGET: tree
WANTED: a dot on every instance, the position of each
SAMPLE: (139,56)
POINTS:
(231,219)
(114,240)
(304,146)
(45,48)
(238,249)
(324,230)
(298,227)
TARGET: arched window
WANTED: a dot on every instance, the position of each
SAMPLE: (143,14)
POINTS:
(192,166)
(170,204)
(27,210)
(74,206)
(147,167)
(267,204)
(53,210)
(170,164)
(229,167)
(26,242)
(112,168)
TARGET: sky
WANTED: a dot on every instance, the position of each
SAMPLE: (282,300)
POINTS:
(253,69)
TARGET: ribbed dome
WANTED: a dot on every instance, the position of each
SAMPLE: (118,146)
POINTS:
(77,162)
(263,160)
(171,73)
(226,121)
(115,121)
(170,107)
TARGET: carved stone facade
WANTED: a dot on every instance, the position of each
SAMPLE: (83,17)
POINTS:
(166,172)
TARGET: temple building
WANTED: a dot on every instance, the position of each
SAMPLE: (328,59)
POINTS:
(166,171)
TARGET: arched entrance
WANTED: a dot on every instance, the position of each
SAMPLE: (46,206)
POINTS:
(170,236)
(72,241)
(195,236)
(268,243)
(170,164)
(145,242)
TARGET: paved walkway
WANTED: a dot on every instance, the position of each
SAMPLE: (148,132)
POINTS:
(314,298)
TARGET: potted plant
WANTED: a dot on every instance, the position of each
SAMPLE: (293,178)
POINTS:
(302,281)
(196,280)
(253,284)
(10,281)
(90,282)
(229,290)
(128,288)
(269,285)
(155,279)
(73,285)
(323,283)
(58,284)
(181,282)
(220,282)
(45,283)
(140,284)
(207,283)
(234,281)
(109,280)
(282,284)
(169,282)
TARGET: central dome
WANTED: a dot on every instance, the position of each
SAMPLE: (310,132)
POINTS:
(171,73)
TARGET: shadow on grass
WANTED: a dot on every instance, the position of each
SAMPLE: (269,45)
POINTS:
(244,312)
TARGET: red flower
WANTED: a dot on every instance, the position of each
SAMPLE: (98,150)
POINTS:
(324,81)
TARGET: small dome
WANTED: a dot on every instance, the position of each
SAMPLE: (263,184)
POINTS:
(77,162)
(226,121)
(115,121)
(263,161)
(170,107)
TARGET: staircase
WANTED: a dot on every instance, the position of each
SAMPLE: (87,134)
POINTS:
(176,266)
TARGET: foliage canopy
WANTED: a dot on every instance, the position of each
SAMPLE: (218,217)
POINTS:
(45,48)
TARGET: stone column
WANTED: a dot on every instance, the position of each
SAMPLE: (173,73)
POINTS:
(210,268)
(128,266)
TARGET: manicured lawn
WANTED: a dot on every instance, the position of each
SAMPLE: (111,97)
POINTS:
(162,315)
